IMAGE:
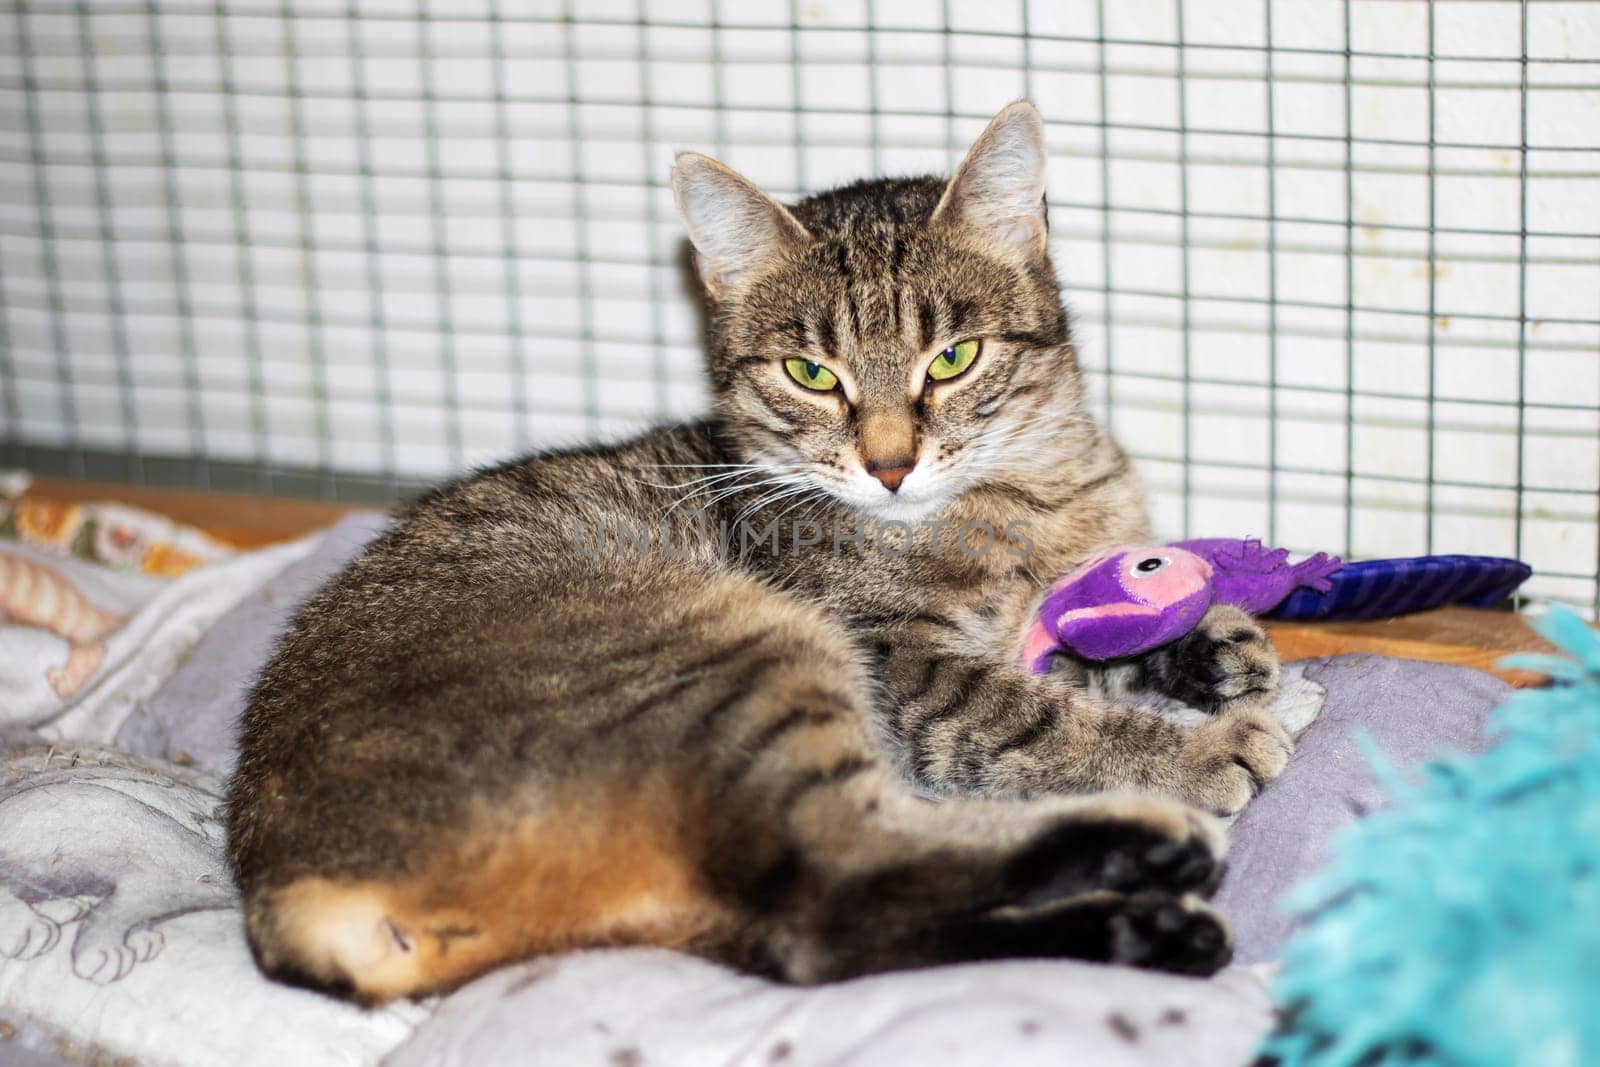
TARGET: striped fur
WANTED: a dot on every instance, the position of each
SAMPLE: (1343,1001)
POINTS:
(485,740)
(34,595)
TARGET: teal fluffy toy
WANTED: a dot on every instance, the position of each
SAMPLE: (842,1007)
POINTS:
(1460,925)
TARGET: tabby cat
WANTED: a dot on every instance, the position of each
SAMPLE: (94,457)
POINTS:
(749,687)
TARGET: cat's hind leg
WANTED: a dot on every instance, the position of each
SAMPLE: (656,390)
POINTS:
(712,782)
(607,864)
(837,884)
(1110,878)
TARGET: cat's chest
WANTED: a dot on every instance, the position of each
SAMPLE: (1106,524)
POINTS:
(983,566)
(998,604)
(1062,541)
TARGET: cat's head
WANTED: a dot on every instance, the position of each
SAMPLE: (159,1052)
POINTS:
(893,343)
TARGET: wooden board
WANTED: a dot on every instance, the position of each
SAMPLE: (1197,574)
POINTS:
(1472,637)
(239,519)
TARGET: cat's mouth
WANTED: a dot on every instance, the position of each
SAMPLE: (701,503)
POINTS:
(916,498)
(903,509)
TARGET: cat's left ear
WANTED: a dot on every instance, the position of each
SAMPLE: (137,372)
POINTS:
(999,188)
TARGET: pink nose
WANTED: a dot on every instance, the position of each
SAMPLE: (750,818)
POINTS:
(892,473)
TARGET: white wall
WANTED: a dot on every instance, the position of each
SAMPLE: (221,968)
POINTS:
(240,258)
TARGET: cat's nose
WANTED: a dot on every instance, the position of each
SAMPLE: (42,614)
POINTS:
(891,472)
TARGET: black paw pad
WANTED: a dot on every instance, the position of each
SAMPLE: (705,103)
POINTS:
(1125,857)
(1162,933)
(1184,867)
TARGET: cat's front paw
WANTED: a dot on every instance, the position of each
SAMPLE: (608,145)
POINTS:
(24,933)
(1226,761)
(1224,665)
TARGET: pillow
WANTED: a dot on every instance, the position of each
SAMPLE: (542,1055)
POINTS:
(1411,709)
(115,536)
(636,1007)
(195,714)
(120,928)
(81,644)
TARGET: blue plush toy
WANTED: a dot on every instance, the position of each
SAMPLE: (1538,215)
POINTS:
(1461,925)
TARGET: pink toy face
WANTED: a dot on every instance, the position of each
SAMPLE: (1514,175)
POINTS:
(1120,603)
(1162,576)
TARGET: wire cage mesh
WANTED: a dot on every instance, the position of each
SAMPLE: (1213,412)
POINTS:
(1335,264)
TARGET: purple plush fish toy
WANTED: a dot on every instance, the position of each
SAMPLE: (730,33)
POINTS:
(1131,599)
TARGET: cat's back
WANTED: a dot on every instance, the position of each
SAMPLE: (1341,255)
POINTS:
(452,649)
(469,543)
(516,502)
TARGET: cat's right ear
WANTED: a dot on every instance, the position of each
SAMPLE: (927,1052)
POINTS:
(735,227)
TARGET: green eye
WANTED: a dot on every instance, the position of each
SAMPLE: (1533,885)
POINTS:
(811,375)
(953,361)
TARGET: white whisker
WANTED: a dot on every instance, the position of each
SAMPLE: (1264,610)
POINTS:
(722,492)
(706,466)
(769,499)
(814,491)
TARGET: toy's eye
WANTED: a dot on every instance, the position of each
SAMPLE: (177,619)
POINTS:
(811,375)
(1146,567)
(953,361)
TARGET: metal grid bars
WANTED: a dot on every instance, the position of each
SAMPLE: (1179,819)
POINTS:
(1336,265)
